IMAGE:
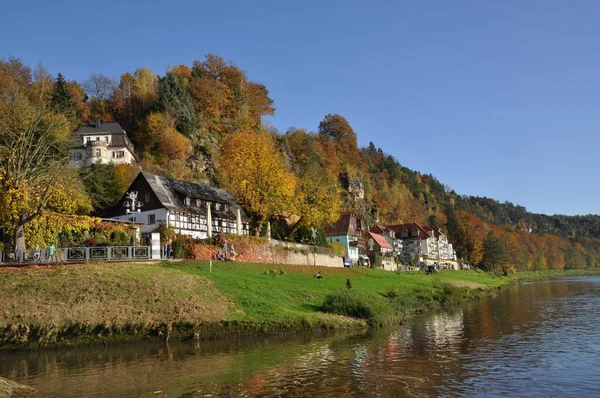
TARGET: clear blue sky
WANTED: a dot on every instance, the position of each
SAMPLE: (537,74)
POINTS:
(494,98)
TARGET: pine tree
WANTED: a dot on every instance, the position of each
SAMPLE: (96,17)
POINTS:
(61,99)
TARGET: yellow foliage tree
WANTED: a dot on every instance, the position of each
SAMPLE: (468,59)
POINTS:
(317,200)
(34,175)
(252,168)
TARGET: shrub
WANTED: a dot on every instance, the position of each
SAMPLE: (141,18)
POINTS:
(338,249)
(375,309)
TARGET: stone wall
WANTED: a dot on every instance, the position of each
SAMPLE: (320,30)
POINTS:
(269,254)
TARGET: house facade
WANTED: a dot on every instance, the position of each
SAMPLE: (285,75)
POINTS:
(197,210)
(381,251)
(101,143)
(428,243)
(348,231)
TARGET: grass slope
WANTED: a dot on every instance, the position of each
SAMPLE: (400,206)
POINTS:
(93,303)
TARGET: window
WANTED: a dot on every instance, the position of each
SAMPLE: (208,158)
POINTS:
(187,201)
(147,198)
(97,138)
(98,153)
(217,206)
(76,156)
(198,202)
(414,233)
(118,154)
(151,219)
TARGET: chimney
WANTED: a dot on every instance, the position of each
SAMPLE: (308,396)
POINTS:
(98,123)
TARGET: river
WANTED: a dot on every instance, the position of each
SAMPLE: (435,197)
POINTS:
(539,339)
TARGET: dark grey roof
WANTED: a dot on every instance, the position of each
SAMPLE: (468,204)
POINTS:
(171,194)
(119,138)
(91,129)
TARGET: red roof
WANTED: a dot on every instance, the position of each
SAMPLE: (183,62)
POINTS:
(380,240)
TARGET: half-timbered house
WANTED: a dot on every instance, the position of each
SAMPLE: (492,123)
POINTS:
(193,209)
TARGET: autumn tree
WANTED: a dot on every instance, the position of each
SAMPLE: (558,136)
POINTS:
(337,128)
(33,166)
(252,169)
(317,200)
(99,89)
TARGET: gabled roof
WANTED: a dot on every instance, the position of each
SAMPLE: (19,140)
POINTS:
(423,233)
(344,226)
(172,193)
(380,240)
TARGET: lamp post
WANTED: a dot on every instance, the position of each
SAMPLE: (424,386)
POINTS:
(133,206)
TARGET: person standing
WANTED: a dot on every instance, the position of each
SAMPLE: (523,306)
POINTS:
(36,254)
(52,253)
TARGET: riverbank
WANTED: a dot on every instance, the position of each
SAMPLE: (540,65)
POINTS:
(9,388)
(101,303)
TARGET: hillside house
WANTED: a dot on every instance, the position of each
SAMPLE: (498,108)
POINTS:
(101,143)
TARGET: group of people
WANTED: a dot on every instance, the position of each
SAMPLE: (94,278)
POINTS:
(39,255)
(226,253)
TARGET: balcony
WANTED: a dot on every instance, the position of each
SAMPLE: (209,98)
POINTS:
(97,144)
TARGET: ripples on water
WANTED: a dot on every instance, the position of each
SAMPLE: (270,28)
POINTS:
(540,339)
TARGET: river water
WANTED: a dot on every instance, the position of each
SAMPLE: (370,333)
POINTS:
(539,339)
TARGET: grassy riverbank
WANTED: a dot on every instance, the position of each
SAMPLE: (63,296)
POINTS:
(96,303)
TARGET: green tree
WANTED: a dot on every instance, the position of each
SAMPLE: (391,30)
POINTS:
(175,99)
(495,254)
(102,186)
(61,100)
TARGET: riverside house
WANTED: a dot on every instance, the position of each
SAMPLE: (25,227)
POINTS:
(428,243)
(348,231)
(193,209)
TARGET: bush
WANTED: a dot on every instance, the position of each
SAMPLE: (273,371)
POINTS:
(273,272)
(178,250)
(375,309)
(338,249)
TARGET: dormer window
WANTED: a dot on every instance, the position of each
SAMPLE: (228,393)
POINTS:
(187,201)
(198,202)
(217,206)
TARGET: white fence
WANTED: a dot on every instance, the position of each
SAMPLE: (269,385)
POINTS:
(79,254)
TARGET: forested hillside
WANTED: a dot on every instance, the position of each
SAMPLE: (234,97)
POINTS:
(204,122)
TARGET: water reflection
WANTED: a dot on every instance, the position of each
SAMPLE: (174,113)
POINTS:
(539,339)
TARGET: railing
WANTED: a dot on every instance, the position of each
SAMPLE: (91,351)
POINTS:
(79,254)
